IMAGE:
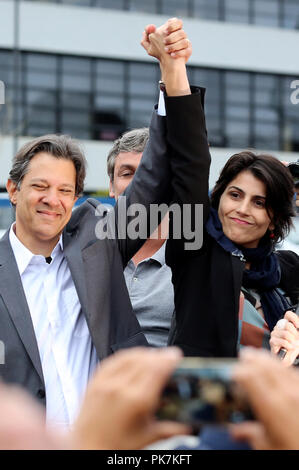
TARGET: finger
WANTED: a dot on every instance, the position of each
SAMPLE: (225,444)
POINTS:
(290,354)
(293,318)
(267,366)
(257,371)
(150,28)
(143,381)
(282,337)
(154,372)
(275,349)
(173,24)
(289,359)
(286,325)
(289,346)
(281,324)
(167,429)
(291,327)
(175,37)
(183,53)
(121,362)
(254,433)
(178,46)
(154,366)
(142,370)
(144,41)
(279,343)
(288,328)
(256,388)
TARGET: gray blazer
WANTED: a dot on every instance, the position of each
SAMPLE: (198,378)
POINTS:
(96,266)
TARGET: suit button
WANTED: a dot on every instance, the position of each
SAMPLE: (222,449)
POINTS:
(41,393)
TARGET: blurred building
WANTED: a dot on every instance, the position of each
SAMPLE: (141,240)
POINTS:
(77,67)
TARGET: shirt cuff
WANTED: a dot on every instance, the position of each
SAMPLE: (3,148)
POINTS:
(161,105)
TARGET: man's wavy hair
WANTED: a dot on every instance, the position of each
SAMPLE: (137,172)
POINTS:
(131,141)
(58,146)
(278,182)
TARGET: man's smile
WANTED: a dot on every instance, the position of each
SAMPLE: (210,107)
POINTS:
(48,214)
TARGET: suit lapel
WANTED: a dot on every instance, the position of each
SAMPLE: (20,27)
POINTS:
(90,272)
(98,285)
(12,293)
(72,252)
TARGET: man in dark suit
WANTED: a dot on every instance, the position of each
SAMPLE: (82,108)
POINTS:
(63,299)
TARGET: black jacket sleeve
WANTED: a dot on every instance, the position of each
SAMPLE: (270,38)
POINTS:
(190,166)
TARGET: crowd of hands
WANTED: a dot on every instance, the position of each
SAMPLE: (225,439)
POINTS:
(118,411)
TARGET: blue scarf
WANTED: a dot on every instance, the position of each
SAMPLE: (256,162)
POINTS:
(264,273)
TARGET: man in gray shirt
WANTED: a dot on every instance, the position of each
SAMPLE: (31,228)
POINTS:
(147,276)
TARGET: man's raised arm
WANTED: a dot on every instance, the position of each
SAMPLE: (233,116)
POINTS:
(151,185)
(170,45)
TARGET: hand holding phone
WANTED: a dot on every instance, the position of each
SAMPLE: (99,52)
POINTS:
(282,352)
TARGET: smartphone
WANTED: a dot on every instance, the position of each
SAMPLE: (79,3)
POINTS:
(201,392)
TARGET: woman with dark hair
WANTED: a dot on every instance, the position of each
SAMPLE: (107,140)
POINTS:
(234,289)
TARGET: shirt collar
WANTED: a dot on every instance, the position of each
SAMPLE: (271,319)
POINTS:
(22,254)
(160,255)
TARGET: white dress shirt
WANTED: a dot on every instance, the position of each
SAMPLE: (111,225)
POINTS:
(161,104)
(67,354)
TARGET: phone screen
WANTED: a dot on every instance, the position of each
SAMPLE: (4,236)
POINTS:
(201,391)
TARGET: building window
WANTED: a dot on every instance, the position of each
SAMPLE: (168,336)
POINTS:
(274,13)
(267,12)
(290,15)
(99,99)
(109,99)
(237,11)
(290,118)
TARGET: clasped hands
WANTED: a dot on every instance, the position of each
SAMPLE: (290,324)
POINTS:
(169,40)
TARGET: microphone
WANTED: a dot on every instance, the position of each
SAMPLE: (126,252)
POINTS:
(282,352)
(48,259)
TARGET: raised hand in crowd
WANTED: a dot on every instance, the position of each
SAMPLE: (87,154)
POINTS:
(172,61)
(273,393)
(118,411)
(286,335)
(170,36)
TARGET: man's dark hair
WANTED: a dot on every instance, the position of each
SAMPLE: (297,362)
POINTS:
(278,182)
(58,146)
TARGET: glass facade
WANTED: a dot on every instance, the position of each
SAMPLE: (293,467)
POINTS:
(98,99)
(275,13)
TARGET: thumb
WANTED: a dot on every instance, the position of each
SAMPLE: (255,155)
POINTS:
(150,28)
(252,432)
(144,41)
(166,429)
